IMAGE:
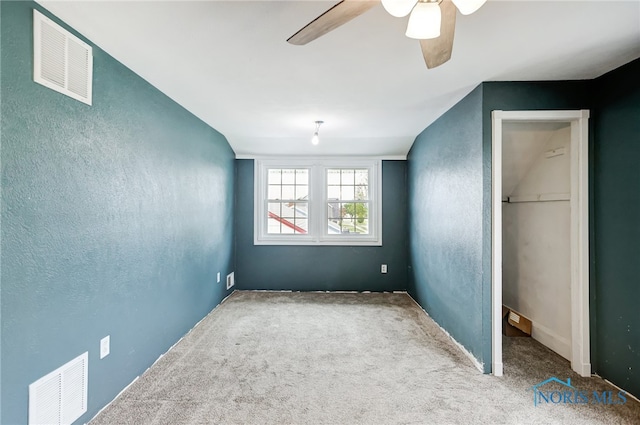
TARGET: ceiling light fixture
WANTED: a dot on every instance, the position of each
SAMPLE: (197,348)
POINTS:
(398,8)
(424,21)
(426,16)
(467,7)
(316,139)
(432,22)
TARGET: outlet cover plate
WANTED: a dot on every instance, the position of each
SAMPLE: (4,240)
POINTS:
(105,346)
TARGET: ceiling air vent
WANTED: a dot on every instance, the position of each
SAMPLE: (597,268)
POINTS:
(61,61)
(61,396)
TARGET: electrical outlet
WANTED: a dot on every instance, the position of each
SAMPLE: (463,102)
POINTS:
(383,268)
(104,346)
(218,277)
(231,280)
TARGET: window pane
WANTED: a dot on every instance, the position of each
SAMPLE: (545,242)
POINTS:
(357,210)
(333,192)
(302,177)
(288,192)
(333,227)
(333,211)
(274,176)
(348,177)
(273,226)
(348,185)
(302,192)
(275,192)
(274,207)
(362,193)
(288,176)
(288,211)
(301,209)
(348,217)
(333,177)
(348,226)
(284,229)
(288,184)
(362,177)
(301,225)
(347,193)
(287,218)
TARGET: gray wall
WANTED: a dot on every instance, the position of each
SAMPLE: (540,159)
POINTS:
(445,195)
(325,268)
(115,219)
(616,217)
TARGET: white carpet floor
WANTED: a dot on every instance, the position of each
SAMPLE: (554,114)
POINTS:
(335,358)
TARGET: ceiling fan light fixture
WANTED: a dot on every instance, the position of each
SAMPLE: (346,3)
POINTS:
(467,7)
(398,8)
(424,21)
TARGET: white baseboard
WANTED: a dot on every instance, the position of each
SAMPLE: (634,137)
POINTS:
(618,388)
(497,369)
(583,369)
(549,338)
(474,361)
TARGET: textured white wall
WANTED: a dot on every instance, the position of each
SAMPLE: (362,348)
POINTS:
(536,238)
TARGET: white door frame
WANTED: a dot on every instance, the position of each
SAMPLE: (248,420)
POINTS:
(579,120)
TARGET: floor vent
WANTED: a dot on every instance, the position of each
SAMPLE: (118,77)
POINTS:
(231,280)
(61,61)
(61,396)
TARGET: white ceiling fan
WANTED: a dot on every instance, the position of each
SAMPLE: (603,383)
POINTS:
(431,21)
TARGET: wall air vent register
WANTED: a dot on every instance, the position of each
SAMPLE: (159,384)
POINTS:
(61,61)
(60,397)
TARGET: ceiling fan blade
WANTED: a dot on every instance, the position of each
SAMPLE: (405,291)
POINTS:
(437,51)
(339,14)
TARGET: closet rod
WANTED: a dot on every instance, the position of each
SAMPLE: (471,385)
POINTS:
(543,197)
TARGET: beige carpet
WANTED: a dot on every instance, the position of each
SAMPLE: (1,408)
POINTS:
(335,358)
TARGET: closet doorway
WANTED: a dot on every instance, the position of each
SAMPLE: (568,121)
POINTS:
(540,222)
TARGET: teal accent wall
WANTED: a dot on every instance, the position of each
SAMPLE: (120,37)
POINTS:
(0,215)
(325,268)
(450,148)
(449,169)
(115,219)
(616,217)
(524,96)
(446,227)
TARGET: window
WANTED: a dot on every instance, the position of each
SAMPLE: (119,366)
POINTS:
(318,202)
(348,201)
(287,201)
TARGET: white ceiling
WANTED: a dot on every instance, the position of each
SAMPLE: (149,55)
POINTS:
(229,64)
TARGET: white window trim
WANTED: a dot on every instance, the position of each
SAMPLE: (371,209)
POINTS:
(318,234)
